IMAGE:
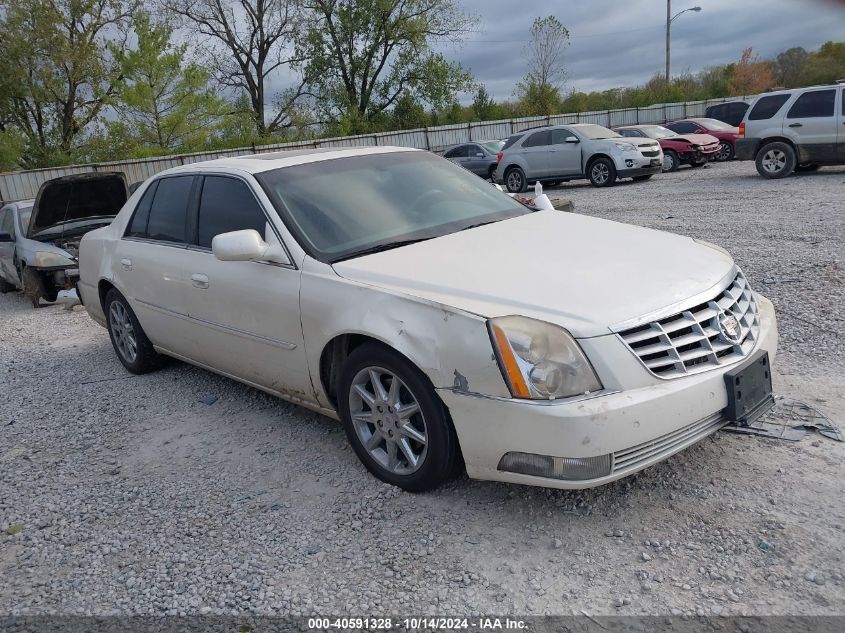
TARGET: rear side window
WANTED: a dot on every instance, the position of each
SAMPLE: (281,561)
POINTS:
(538,139)
(169,209)
(227,204)
(138,226)
(818,103)
(767,107)
(513,139)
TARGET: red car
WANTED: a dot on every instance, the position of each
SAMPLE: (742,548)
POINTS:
(690,149)
(727,134)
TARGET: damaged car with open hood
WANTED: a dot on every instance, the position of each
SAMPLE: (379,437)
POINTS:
(446,324)
(39,240)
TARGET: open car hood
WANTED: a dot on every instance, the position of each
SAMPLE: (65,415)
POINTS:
(70,200)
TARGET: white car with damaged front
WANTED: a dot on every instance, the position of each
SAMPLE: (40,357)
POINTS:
(444,323)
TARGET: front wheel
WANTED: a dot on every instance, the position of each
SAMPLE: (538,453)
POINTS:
(775,160)
(130,343)
(726,151)
(515,180)
(398,427)
(671,162)
(602,173)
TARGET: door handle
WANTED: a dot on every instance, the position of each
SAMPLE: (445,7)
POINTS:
(126,264)
(796,125)
(199,281)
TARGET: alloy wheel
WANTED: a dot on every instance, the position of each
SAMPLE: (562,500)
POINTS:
(388,420)
(123,331)
(668,162)
(774,161)
(600,173)
(514,181)
(724,151)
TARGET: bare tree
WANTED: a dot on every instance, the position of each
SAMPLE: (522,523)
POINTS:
(253,41)
(539,91)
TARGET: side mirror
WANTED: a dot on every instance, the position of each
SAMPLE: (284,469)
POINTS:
(246,246)
(479,155)
(6,237)
(572,139)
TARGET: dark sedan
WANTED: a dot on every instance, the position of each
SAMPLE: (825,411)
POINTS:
(480,157)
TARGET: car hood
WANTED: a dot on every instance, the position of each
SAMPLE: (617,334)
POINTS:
(64,204)
(609,143)
(695,139)
(582,273)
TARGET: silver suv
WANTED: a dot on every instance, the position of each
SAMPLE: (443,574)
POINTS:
(558,153)
(794,130)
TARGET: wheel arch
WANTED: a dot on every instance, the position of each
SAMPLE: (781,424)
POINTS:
(776,139)
(593,158)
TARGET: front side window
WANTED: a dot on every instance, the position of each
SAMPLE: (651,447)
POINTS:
(227,204)
(538,139)
(767,107)
(560,135)
(818,103)
(457,152)
(342,208)
(169,209)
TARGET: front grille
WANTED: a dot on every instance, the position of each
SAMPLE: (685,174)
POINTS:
(651,154)
(692,341)
(665,445)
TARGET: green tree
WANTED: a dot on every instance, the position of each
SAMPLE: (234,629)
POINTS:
(825,65)
(166,103)
(409,113)
(483,106)
(364,54)
(539,91)
(58,73)
(789,66)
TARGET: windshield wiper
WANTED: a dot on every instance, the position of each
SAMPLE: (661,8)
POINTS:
(378,248)
(475,226)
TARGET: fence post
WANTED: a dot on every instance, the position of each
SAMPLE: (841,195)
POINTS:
(427,141)
(375,139)
(469,132)
(512,126)
(637,118)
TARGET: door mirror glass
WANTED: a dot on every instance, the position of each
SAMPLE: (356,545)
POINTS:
(6,237)
(246,246)
(571,139)
(479,155)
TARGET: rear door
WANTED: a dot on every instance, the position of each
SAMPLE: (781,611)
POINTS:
(535,153)
(149,266)
(564,158)
(811,123)
(245,315)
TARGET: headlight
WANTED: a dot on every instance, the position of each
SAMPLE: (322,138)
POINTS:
(540,361)
(625,147)
(46,259)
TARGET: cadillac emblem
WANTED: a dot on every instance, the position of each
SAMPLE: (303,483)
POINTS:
(730,328)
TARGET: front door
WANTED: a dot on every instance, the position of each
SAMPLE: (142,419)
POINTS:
(245,315)
(476,160)
(535,152)
(811,124)
(564,158)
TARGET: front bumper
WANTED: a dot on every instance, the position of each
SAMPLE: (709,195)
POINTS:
(636,427)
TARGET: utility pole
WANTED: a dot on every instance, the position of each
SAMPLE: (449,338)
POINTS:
(668,27)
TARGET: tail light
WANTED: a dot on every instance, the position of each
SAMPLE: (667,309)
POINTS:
(499,157)
(742,129)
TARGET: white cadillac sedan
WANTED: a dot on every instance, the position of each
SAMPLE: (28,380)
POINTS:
(444,323)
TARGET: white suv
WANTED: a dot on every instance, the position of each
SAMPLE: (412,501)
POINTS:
(559,153)
(794,130)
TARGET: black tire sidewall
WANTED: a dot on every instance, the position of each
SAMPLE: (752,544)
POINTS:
(524,186)
(611,177)
(146,358)
(729,152)
(676,160)
(442,458)
(791,160)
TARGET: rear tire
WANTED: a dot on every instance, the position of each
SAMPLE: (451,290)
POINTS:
(602,172)
(726,152)
(130,343)
(671,161)
(775,160)
(515,180)
(416,451)
(491,173)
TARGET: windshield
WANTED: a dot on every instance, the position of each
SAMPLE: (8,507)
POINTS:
(494,147)
(343,207)
(595,132)
(715,124)
(658,131)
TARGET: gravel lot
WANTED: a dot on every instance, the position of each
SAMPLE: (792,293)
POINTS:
(184,492)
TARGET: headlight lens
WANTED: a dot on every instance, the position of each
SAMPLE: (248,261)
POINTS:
(46,259)
(625,147)
(540,361)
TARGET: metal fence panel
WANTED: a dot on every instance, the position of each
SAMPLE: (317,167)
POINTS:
(24,184)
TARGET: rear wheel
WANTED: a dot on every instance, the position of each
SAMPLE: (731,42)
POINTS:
(131,345)
(775,160)
(671,162)
(726,151)
(491,172)
(602,173)
(515,180)
(398,427)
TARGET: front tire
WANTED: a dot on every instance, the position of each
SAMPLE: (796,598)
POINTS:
(130,343)
(515,180)
(602,173)
(726,152)
(775,160)
(671,161)
(396,424)
(491,173)
(34,288)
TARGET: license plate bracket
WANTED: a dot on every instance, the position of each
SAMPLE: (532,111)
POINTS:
(749,389)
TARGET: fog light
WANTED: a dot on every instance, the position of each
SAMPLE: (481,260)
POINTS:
(566,468)
(629,162)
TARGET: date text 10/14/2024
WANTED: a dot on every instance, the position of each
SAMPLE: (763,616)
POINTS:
(416,623)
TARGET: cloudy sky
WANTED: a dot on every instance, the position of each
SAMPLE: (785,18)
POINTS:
(621,42)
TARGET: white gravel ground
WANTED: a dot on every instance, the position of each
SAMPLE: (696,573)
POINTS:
(146,495)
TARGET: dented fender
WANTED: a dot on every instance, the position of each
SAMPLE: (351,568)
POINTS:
(449,346)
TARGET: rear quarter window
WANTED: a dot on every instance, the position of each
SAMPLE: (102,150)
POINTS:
(816,103)
(513,139)
(138,225)
(767,107)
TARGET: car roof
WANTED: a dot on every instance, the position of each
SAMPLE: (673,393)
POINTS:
(794,90)
(257,163)
(20,205)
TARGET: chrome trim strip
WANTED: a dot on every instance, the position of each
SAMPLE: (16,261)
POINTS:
(541,403)
(285,345)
